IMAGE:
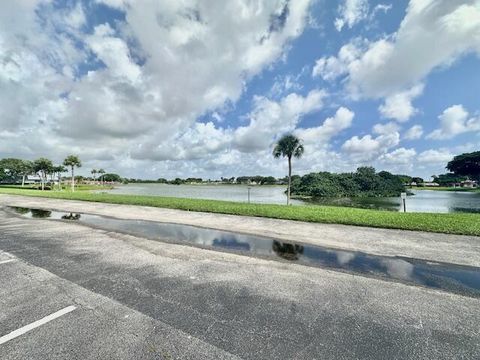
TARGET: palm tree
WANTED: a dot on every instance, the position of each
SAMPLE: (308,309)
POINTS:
(101,172)
(94,172)
(42,166)
(288,146)
(59,170)
(72,161)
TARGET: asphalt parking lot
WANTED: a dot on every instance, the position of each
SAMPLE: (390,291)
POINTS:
(72,292)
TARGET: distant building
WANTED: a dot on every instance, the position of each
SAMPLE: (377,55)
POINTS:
(430,184)
(33,179)
(469,184)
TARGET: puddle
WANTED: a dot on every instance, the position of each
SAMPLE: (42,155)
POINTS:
(448,277)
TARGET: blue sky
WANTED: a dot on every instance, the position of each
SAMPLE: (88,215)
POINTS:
(164,89)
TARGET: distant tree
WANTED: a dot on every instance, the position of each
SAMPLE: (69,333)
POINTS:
(365,182)
(94,174)
(42,167)
(177,181)
(467,164)
(162,181)
(417,180)
(269,180)
(73,162)
(26,169)
(449,179)
(13,169)
(112,178)
(58,170)
(289,146)
(101,172)
(405,179)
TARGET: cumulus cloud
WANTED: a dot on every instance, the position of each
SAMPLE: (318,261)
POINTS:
(400,156)
(351,12)
(384,129)
(435,32)
(331,126)
(144,78)
(454,121)
(399,105)
(270,118)
(440,156)
(414,133)
(367,147)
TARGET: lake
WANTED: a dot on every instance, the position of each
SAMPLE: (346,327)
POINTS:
(421,201)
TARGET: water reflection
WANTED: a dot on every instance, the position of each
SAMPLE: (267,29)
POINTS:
(287,251)
(41,214)
(71,216)
(460,279)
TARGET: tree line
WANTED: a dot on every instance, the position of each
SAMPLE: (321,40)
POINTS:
(12,169)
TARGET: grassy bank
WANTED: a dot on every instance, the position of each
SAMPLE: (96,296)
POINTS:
(467,224)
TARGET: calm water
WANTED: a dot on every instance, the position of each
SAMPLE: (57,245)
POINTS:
(422,201)
(460,279)
(258,194)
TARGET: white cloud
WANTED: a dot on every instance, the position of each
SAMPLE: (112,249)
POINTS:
(414,133)
(330,68)
(440,156)
(270,119)
(434,32)
(454,121)
(331,127)
(144,80)
(384,129)
(114,53)
(351,12)
(400,156)
(399,105)
(367,147)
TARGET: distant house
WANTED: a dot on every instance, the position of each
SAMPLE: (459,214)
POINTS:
(469,184)
(430,184)
(33,179)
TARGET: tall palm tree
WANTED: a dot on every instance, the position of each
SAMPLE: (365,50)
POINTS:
(101,172)
(288,146)
(72,161)
(94,172)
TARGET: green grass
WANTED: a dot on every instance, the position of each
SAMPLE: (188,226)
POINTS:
(459,223)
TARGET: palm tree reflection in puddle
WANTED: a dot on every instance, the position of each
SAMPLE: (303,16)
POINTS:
(71,216)
(286,250)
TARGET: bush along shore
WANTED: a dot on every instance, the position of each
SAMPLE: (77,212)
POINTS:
(365,182)
(458,223)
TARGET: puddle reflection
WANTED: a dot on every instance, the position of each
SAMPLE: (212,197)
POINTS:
(455,278)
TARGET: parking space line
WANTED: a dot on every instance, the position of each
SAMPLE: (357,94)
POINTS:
(7,261)
(43,321)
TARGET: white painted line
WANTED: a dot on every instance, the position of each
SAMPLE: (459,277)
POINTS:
(7,261)
(27,328)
